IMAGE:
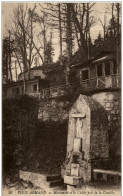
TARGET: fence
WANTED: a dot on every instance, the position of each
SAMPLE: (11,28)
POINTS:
(51,92)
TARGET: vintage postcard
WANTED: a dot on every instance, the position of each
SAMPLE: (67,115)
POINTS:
(61,98)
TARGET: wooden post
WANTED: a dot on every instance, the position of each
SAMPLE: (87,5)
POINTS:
(105,177)
(15,70)
(38,86)
(94,176)
(10,71)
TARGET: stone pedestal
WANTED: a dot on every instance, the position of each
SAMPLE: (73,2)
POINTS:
(70,188)
(74,169)
(72,180)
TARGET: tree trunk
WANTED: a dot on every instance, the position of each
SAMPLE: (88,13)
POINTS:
(88,30)
(60,34)
(29,73)
(24,84)
(44,40)
(82,39)
(15,70)
(24,60)
(117,5)
(31,41)
(104,27)
(112,12)
(10,71)
(69,42)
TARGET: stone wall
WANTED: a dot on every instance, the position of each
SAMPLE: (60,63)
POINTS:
(99,134)
(111,102)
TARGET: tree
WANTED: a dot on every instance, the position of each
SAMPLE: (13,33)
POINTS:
(98,45)
(23,33)
(7,49)
(54,14)
(82,22)
(49,52)
(118,34)
(5,58)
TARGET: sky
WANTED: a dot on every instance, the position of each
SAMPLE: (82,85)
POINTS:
(98,11)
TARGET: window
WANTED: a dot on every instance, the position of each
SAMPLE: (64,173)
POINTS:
(35,87)
(37,77)
(85,74)
(114,68)
(22,89)
(99,70)
(54,79)
(107,68)
(15,91)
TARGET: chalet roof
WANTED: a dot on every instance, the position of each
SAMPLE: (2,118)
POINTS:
(34,68)
(48,68)
(38,68)
(103,56)
(53,68)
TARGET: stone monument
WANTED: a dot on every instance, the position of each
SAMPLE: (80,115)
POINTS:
(87,142)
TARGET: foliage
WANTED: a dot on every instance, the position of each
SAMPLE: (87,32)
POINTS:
(7,49)
(49,52)
(49,147)
(27,141)
(19,119)
(110,41)
(25,48)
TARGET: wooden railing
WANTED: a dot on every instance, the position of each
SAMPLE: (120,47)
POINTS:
(112,81)
(51,92)
(54,91)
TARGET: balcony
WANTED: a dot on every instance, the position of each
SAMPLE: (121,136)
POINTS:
(103,82)
(51,92)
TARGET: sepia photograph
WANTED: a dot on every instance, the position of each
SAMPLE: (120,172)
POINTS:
(61,98)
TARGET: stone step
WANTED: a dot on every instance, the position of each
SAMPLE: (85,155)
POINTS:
(41,180)
(59,188)
(55,183)
(72,180)
(106,175)
(53,177)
